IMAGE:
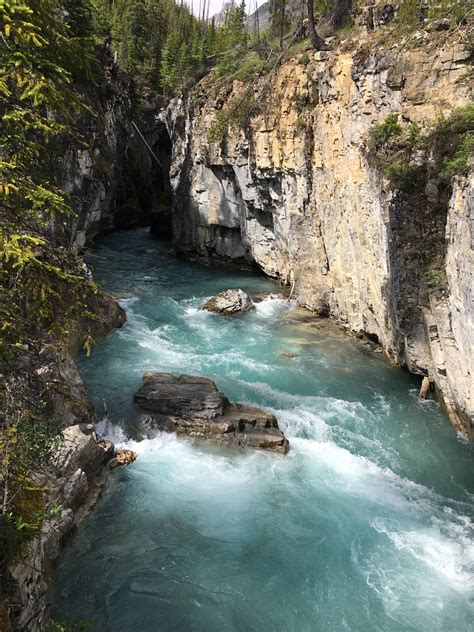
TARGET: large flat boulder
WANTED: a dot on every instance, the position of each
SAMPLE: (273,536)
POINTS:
(181,396)
(193,406)
(229,303)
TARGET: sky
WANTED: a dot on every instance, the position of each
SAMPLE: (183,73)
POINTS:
(216,5)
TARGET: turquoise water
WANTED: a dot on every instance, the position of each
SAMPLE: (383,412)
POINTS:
(366,525)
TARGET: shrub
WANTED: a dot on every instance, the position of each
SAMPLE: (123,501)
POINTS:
(405,155)
(408,13)
(410,157)
(235,115)
(381,134)
(250,67)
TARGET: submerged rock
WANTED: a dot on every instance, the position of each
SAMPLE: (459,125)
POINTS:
(193,406)
(229,303)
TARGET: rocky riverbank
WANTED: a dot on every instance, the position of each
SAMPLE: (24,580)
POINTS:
(72,482)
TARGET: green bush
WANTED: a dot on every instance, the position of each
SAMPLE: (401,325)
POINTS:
(408,13)
(409,157)
(404,155)
(381,134)
(250,67)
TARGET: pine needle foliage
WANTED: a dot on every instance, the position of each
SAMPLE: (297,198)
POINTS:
(47,50)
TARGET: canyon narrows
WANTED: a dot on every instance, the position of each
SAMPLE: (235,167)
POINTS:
(232,250)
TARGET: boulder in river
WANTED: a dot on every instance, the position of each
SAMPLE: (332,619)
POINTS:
(122,457)
(193,406)
(229,303)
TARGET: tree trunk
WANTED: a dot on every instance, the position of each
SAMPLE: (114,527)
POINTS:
(316,41)
(282,22)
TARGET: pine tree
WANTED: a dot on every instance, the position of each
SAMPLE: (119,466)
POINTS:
(47,53)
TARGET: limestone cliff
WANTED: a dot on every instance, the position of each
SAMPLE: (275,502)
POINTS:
(288,187)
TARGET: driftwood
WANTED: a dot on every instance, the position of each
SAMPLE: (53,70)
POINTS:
(425,387)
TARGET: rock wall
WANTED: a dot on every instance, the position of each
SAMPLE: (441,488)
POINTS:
(111,181)
(74,480)
(75,476)
(289,188)
(111,176)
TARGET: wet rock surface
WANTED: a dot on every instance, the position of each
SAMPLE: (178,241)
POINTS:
(193,406)
(229,303)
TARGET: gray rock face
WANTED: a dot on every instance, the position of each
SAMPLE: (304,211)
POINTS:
(293,192)
(184,396)
(229,303)
(74,481)
(193,406)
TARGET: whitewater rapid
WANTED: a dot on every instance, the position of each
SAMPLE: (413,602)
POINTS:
(366,524)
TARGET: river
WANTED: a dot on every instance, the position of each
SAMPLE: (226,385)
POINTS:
(366,525)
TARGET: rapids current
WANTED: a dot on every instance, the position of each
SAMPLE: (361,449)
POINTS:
(366,525)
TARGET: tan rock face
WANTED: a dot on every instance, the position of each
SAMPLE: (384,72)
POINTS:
(292,191)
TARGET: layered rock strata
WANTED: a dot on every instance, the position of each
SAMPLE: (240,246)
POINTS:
(290,189)
(193,406)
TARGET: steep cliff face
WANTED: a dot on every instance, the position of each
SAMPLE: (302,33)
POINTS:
(110,179)
(290,189)
(113,176)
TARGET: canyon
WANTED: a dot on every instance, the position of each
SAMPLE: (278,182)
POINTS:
(274,176)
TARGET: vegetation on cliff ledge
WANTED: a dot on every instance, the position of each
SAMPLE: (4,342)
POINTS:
(409,155)
(420,162)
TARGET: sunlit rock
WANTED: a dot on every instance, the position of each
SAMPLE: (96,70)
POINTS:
(193,406)
(229,303)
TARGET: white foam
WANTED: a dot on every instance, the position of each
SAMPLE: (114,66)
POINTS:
(324,405)
(112,432)
(446,548)
(271,307)
(126,303)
